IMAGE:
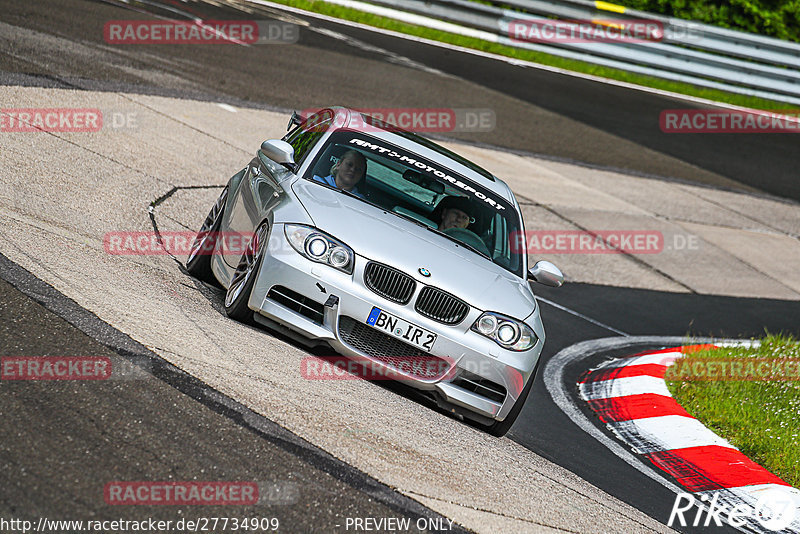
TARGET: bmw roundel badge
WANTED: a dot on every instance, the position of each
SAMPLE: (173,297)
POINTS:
(424,272)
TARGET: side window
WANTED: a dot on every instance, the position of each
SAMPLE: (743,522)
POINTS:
(501,237)
(307,134)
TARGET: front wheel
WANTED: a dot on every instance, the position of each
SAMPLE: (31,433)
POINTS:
(243,279)
(198,264)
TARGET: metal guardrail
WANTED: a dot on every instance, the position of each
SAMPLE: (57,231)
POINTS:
(690,52)
(711,38)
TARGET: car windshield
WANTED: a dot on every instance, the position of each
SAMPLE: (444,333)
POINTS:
(423,191)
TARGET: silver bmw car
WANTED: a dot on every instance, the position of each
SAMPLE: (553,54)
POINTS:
(396,252)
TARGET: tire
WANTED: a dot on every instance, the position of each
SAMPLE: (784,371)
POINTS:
(198,264)
(500,428)
(244,277)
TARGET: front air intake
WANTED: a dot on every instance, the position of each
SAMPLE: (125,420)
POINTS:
(441,306)
(389,283)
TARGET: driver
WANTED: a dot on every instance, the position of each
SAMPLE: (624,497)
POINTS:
(347,173)
(454,212)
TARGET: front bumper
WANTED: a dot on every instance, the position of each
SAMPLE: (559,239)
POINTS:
(324,304)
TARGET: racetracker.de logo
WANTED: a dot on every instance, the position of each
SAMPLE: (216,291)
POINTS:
(50,120)
(728,121)
(418,120)
(721,369)
(181,493)
(122,32)
(175,243)
(585,31)
(394,368)
(55,368)
(587,242)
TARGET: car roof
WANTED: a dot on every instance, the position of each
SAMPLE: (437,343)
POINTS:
(350,119)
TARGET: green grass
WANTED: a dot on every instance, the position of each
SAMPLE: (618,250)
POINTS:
(775,18)
(761,418)
(536,57)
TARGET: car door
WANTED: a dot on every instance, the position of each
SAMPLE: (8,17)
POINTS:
(260,190)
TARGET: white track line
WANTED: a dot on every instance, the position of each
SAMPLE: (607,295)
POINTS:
(683,446)
(582,316)
(504,59)
(667,432)
(621,387)
(553,376)
(662,358)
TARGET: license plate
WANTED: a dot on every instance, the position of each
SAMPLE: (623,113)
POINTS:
(397,327)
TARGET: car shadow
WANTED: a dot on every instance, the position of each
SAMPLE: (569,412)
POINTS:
(215,296)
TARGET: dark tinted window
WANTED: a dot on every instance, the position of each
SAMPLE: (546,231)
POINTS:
(412,187)
(306,135)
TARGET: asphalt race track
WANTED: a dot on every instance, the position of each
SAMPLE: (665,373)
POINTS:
(536,111)
(166,423)
(146,422)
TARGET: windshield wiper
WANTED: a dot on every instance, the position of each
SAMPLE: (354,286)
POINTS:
(435,230)
(408,218)
(473,249)
(459,242)
(348,193)
(415,221)
(339,189)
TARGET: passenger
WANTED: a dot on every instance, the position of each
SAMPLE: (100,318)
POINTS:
(453,212)
(455,215)
(347,173)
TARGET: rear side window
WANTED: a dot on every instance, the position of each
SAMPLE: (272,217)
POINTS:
(305,136)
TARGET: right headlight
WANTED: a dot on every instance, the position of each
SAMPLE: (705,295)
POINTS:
(505,331)
(320,247)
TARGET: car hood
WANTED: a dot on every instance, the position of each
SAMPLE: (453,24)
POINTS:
(384,237)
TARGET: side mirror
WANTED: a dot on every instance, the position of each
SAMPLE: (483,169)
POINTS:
(546,274)
(279,152)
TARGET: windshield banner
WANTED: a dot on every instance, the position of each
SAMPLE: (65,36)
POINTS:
(402,158)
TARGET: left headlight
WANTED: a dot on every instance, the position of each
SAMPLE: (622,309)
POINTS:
(505,331)
(320,247)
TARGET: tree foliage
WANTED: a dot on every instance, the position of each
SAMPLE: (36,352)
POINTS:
(775,18)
